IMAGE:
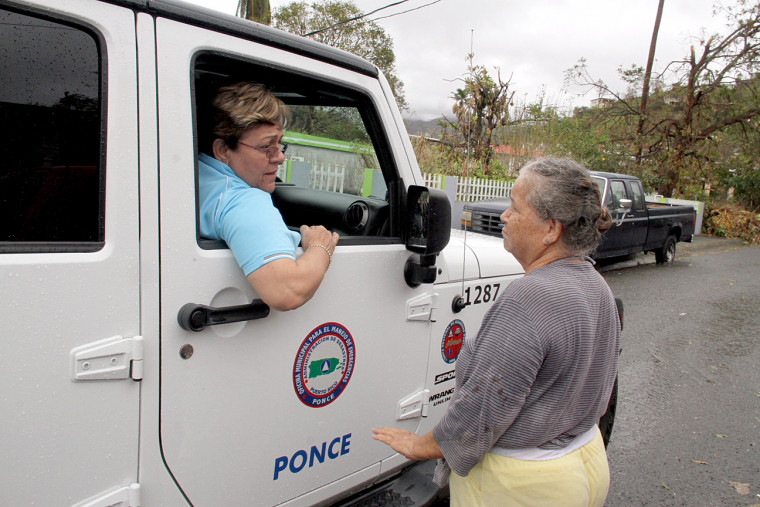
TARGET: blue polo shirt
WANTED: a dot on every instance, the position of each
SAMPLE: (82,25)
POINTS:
(243,217)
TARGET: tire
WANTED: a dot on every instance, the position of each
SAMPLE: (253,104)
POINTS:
(608,419)
(666,254)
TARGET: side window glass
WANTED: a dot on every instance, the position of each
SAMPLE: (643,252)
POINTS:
(50,126)
(337,170)
(599,182)
(617,192)
(638,195)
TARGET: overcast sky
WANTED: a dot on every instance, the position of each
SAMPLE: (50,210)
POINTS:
(534,41)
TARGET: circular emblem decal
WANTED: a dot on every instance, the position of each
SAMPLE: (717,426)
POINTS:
(453,339)
(323,365)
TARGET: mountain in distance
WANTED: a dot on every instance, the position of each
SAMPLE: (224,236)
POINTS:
(427,128)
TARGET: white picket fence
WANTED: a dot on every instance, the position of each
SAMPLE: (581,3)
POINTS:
(472,189)
(477,189)
(433,180)
(331,177)
(327,177)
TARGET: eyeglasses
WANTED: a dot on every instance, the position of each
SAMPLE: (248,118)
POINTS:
(271,151)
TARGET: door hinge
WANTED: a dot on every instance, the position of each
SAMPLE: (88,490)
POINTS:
(114,358)
(120,496)
(422,308)
(414,405)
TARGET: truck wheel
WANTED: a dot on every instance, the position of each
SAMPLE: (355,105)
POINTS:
(667,254)
(608,419)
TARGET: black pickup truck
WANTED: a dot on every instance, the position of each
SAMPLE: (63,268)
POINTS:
(638,226)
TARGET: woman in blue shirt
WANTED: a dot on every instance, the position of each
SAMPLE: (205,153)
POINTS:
(236,181)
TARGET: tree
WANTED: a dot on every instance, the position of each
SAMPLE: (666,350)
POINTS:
(536,129)
(333,22)
(340,123)
(715,90)
(255,10)
(480,107)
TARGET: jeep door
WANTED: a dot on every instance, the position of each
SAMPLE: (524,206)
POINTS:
(263,411)
(69,256)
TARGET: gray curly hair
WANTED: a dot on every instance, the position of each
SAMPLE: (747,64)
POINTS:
(562,189)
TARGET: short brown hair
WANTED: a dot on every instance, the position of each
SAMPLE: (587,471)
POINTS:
(241,106)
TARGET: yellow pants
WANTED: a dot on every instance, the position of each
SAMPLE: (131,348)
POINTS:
(580,478)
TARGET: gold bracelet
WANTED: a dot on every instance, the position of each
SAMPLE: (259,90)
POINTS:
(323,247)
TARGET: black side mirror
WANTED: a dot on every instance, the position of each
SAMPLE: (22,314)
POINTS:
(427,232)
(428,220)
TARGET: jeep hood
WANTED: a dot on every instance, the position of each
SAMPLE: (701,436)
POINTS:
(471,256)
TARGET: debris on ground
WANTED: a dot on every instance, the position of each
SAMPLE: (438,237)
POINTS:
(732,221)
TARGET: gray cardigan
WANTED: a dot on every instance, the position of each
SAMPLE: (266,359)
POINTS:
(540,370)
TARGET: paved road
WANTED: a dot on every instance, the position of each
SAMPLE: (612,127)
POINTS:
(688,424)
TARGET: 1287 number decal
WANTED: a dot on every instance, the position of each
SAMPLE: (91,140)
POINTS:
(480,294)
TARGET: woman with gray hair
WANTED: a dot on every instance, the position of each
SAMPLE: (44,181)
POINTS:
(521,428)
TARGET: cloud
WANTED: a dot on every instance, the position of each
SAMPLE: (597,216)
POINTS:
(534,41)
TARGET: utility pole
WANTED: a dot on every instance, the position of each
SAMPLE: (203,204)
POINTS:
(645,90)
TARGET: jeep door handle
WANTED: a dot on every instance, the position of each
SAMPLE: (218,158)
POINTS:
(195,317)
